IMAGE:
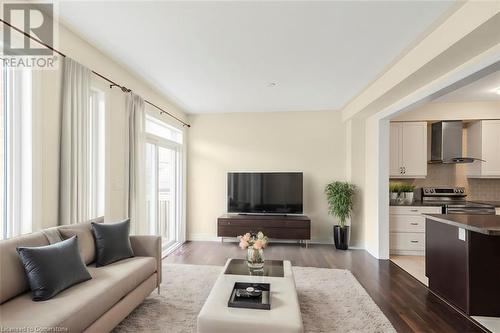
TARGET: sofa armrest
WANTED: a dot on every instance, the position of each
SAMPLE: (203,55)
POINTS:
(148,246)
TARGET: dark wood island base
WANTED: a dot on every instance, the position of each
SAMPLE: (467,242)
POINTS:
(293,227)
(462,261)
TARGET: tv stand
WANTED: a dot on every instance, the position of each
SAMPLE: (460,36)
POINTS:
(293,227)
(259,214)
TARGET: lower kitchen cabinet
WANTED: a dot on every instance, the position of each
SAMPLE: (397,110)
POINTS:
(407,229)
(409,243)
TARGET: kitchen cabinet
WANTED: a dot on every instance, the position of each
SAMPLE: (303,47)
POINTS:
(408,150)
(407,229)
(462,265)
(483,142)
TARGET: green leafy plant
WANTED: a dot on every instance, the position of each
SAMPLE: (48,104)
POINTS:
(405,188)
(394,187)
(340,200)
(400,187)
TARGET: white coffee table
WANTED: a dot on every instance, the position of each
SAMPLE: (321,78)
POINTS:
(284,316)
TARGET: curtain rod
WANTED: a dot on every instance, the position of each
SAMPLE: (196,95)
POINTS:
(111,82)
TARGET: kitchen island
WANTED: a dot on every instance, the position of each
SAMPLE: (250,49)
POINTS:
(462,261)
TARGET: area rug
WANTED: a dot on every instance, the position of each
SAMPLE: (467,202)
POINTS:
(331,300)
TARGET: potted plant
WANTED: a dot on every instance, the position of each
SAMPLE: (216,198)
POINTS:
(340,202)
(407,191)
(394,189)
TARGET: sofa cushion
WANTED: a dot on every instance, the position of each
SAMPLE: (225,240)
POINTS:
(13,280)
(86,241)
(53,268)
(78,307)
(112,242)
(53,235)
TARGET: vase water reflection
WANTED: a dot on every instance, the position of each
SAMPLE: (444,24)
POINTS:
(255,258)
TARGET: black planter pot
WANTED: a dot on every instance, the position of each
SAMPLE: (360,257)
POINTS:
(341,237)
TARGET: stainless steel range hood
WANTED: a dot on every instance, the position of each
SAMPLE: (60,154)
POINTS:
(446,143)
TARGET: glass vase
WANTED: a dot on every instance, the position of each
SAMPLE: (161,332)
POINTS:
(255,258)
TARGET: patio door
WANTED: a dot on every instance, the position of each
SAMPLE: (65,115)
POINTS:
(163,189)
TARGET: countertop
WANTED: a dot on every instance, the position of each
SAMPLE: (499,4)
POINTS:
(416,203)
(485,224)
(419,203)
(493,203)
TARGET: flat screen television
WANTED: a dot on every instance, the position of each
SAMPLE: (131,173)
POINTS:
(264,192)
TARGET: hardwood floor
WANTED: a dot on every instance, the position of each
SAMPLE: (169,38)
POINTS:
(406,302)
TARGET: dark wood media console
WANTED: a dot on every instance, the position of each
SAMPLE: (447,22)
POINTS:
(273,226)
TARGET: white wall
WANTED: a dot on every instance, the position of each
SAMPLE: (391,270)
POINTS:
(311,142)
(355,162)
(376,235)
(452,111)
(48,147)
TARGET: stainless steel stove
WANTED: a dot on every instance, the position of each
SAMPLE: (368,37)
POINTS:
(452,200)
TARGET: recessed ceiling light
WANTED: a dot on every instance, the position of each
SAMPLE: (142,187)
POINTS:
(272,84)
(497,90)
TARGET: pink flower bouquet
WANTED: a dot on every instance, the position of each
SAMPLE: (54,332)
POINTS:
(254,244)
(255,241)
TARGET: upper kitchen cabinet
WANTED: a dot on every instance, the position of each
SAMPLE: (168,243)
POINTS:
(483,142)
(408,150)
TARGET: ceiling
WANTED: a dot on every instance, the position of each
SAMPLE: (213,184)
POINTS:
(484,89)
(254,56)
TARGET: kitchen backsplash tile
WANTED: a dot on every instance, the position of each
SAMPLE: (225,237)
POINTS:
(484,189)
(455,175)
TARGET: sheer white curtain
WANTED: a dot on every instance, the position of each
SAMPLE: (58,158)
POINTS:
(17,152)
(136,162)
(74,173)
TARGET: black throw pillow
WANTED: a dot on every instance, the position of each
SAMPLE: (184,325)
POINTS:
(53,268)
(112,242)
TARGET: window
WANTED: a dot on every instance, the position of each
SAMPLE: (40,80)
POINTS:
(16,152)
(160,129)
(20,173)
(96,160)
(163,181)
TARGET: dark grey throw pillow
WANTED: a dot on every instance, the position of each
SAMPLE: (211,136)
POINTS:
(53,268)
(112,242)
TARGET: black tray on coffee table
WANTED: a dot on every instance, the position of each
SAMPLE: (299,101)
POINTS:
(262,302)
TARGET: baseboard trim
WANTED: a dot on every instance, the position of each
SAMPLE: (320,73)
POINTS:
(406,253)
(202,237)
